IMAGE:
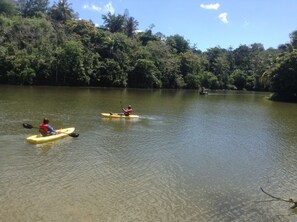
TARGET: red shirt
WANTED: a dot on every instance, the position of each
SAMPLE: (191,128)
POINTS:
(128,111)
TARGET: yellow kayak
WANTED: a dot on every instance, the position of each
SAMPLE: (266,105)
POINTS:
(43,139)
(118,115)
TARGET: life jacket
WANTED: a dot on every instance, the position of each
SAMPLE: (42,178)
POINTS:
(43,127)
(128,112)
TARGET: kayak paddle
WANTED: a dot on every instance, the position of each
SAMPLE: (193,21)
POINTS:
(29,126)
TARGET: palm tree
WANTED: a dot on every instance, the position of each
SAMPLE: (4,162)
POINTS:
(131,26)
(62,11)
(114,23)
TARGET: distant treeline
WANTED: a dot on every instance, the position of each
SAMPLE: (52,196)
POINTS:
(43,45)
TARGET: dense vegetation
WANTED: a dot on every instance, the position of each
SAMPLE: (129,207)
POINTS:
(42,45)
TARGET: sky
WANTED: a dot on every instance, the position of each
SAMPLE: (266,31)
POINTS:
(204,24)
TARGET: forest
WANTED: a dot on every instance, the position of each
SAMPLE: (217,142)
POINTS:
(49,45)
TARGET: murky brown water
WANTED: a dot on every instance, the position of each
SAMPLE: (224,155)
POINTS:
(187,158)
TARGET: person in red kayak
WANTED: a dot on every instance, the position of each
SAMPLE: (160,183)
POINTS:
(128,111)
(45,129)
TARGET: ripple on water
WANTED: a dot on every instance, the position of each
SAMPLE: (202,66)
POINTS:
(189,159)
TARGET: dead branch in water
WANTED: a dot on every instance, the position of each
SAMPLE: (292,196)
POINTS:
(281,199)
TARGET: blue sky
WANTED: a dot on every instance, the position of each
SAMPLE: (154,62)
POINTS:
(205,23)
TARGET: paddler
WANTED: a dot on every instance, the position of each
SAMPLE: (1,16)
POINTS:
(45,129)
(127,111)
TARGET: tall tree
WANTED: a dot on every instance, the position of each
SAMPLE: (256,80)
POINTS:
(167,63)
(7,7)
(114,23)
(30,8)
(284,48)
(284,78)
(131,25)
(219,64)
(293,37)
(178,43)
(62,11)
(144,75)
(146,37)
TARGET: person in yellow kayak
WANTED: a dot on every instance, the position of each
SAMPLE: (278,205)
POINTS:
(45,129)
(128,111)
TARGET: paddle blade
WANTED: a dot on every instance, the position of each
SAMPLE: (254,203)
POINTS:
(27,125)
(73,134)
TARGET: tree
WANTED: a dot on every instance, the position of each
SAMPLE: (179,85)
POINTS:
(167,63)
(284,78)
(30,8)
(219,61)
(71,64)
(209,80)
(191,67)
(7,8)
(178,43)
(284,48)
(112,74)
(130,26)
(62,11)
(114,23)
(242,57)
(293,37)
(146,37)
(144,75)
(20,68)
(239,79)
(28,55)
(81,30)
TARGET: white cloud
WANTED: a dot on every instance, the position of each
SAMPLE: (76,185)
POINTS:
(223,17)
(109,8)
(92,7)
(210,6)
(105,9)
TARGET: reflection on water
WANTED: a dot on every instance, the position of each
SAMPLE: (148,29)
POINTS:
(187,158)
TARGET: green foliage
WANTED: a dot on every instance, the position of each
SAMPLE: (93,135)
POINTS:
(7,8)
(20,71)
(130,26)
(251,82)
(144,75)
(30,8)
(61,11)
(120,23)
(146,37)
(112,74)
(167,63)
(192,81)
(239,79)
(293,37)
(71,64)
(48,45)
(284,79)
(209,80)
(178,43)
(114,23)
(80,30)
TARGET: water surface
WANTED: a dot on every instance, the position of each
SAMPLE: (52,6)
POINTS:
(187,158)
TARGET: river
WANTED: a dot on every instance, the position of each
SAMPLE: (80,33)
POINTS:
(187,158)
